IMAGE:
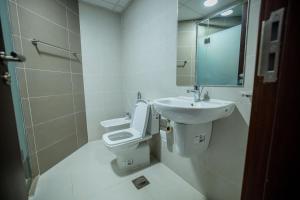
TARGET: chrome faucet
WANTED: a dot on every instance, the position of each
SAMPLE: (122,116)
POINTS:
(139,95)
(197,93)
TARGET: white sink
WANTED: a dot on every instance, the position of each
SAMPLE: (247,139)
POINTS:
(185,110)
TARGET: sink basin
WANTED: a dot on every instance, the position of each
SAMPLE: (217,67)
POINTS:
(185,110)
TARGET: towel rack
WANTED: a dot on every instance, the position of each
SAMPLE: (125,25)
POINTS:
(35,42)
(184,63)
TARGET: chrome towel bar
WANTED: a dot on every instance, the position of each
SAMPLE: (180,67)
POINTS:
(183,65)
(35,42)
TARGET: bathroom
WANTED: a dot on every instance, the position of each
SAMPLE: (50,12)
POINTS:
(133,99)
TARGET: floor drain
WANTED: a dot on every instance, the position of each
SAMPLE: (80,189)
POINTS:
(140,182)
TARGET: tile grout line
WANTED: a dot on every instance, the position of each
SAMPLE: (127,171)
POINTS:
(27,91)
(72,83)
(62,4)
(47,96)
(56,118)
(46,19)
(46,70)
(56,142)
(53,95)
(53,119)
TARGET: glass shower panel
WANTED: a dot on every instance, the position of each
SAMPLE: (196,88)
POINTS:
(15,91)
(221,69)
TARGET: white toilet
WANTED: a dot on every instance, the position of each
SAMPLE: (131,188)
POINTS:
(130,145)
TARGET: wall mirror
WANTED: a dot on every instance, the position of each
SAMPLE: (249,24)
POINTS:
(211,42)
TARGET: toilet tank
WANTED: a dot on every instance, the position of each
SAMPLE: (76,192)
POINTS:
(116,124)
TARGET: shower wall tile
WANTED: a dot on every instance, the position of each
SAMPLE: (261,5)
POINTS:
(22,82)
(82,141)
(51,107)
(43,83)
(73,22)
(74,39)
(34,165)
(51,132)
(76,65)
(71,5)
(32,152)
(30,140)
(54,102)
(14,18)
(26,112)
(81,124)
(17,43)
(50,156)
(33,26)
(79,104)
(77,83)
(51,10)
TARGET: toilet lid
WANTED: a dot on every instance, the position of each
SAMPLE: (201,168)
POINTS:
(140,118)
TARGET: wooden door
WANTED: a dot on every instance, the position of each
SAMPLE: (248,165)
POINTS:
(271,161)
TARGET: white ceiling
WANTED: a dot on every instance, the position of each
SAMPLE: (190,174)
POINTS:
(194,9)
(113,5)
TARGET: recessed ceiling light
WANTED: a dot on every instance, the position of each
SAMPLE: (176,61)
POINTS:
(209,3)
(226,13)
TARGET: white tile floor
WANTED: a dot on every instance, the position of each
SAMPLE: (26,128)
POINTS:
(87,174)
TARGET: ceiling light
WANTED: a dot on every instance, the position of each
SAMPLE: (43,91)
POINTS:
(226,13)
(209,3)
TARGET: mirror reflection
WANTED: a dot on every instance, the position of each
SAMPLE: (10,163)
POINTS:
(211,43)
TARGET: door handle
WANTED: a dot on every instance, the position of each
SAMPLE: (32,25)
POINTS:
(13,57)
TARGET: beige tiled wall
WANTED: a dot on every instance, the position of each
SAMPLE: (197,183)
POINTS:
(50,81)
(186,51)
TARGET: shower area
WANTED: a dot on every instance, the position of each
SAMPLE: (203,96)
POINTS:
(47,88)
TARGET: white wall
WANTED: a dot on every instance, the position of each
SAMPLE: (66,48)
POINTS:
(101,56)
(149,65)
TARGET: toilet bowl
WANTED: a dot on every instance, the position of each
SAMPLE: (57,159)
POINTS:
(130,145)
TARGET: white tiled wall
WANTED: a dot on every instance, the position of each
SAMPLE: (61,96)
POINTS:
(101,44)
(149,65)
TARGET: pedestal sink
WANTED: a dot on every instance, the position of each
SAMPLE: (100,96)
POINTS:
(192,121)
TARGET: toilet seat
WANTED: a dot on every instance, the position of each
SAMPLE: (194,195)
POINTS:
(123,137)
